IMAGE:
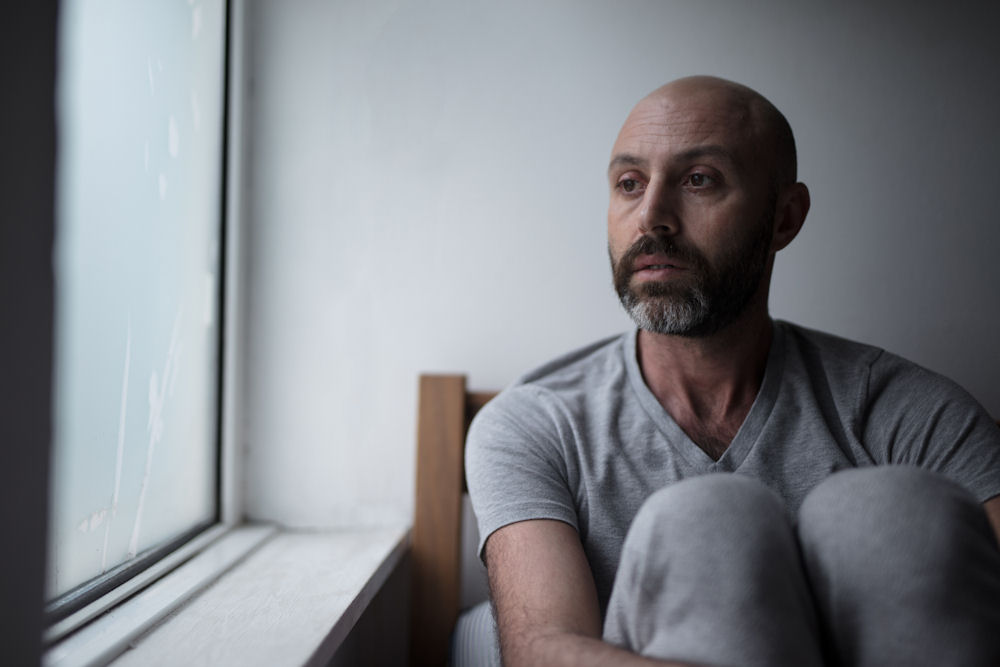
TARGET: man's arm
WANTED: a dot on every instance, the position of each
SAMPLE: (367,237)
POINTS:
(546,603)
(992,507)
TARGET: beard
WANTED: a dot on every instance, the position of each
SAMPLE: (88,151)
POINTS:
(704,300)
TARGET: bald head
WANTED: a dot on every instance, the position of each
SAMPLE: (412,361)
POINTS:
(770,137)
(702,194)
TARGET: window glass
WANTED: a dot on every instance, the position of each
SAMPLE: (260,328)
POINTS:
(138,270)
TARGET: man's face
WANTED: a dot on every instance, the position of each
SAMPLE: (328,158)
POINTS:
(690,214)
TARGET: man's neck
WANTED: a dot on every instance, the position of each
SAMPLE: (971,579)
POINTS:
(708,384)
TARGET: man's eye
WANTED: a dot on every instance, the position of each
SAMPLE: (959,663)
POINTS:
(700,180)
(629,185)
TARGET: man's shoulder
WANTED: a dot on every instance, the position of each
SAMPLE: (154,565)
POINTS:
(855,365)
(580,366)
(561,388)
(831,348)
(816,358)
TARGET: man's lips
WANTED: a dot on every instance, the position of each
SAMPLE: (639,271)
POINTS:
(656,263)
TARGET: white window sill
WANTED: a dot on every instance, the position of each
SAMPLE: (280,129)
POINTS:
(292,601)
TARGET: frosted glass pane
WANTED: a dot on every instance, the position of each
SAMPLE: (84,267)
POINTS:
(137,260)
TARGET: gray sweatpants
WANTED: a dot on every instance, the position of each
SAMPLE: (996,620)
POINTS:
(881,566)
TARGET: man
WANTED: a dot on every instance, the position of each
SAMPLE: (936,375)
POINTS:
(787,561)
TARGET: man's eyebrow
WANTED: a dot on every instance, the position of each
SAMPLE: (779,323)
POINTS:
(708,150)
(625,160)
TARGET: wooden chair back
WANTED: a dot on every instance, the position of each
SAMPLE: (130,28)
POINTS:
(445,409)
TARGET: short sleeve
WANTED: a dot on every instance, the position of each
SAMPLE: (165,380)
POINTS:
(915,416)
(514,463)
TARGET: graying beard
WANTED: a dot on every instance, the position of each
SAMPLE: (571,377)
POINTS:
(673,317)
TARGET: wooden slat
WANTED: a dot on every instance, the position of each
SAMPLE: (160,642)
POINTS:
(475,400)
(444,412)
(437,518)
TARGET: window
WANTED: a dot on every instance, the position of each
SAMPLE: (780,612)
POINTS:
(138,265)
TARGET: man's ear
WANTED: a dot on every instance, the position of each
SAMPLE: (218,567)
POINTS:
(789,214)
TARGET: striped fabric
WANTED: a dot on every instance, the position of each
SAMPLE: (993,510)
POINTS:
(474,641)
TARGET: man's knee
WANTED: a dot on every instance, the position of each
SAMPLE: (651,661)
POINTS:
(709,496)
(710,573)
(710,513)
(899,558)
(863,512)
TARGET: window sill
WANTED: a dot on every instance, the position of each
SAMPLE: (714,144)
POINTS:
(292,601)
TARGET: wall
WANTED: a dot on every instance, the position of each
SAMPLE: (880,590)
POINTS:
(27,168)
(427,194)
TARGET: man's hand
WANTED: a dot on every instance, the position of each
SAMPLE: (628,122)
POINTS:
(546,603)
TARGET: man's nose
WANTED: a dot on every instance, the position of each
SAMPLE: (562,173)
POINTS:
(659,211)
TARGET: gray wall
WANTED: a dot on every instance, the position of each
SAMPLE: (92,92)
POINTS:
(27,168)
(427,193)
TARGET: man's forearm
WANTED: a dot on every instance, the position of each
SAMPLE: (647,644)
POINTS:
(557,650)
(545,601)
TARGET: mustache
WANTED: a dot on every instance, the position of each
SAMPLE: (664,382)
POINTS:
(657,245)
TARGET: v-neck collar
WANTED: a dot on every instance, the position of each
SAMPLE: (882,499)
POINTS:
(749,430)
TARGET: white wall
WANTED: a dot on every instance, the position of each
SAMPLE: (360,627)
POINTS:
(427,193)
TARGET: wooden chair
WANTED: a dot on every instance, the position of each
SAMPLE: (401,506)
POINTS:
(445,408)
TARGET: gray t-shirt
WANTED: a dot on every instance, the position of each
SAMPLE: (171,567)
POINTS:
(584,441)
